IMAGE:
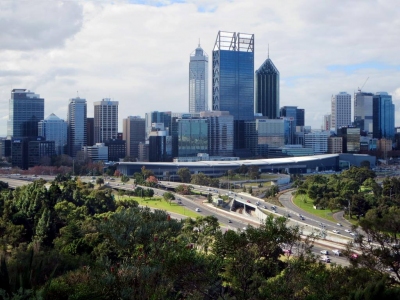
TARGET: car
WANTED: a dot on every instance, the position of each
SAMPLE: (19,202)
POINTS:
(288,215)
(229,221)
(107,182)
(197,209)
(352,233)
(302,218)
(325,252)
(265,206)
(336,252)
(248,201)
(347,230)
(335,231)
(179,202)
(325,258)
(338,224)
(354,256)
(244,228)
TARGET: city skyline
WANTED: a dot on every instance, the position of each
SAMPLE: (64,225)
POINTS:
(118,50)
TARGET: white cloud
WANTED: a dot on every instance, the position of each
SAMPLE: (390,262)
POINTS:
(139,54)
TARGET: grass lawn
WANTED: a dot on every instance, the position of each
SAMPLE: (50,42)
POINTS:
(159,203)
(307,205)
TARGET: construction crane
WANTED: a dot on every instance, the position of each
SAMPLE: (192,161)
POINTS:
(359,89)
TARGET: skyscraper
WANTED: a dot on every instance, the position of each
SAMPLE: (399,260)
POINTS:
(54,129)
(198,81)
(26,109)
(233,79)
(363,110)
(76,119)
(105,120)
(133,131)
(267,90)
(383,116)
(158,117)
(340,110)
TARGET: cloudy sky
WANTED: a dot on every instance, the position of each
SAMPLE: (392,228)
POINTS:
(137,52)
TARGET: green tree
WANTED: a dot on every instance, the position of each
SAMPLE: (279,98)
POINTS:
(99,181)
(124,178)
(168,196)
(184,174)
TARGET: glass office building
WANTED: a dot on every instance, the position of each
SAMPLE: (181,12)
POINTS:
(233,79)
(198,81)
(77,130)
(383,116)
(26,109)
(267,90)
(192,136)
(54,129)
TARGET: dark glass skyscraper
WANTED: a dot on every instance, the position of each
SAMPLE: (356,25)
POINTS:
(383,116)
(26,109)
(267,90)
(233,79)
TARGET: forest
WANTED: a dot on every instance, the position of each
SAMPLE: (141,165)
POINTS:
(74,240)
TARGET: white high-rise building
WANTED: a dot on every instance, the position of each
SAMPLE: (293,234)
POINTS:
(340,110)
(54,129)
(198,81)
(77,129)
(105,120)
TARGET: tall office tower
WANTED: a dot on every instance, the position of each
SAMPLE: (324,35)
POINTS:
(26,109)
(267,90)
(77,130)
(220,132)
(55,129)
(90,131)
(363,110)
(198,81)
(105,120)
(133,132)
(233,80)
(158,117)
(383,116)
(340,110)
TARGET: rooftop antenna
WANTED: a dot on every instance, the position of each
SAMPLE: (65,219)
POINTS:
(199,42)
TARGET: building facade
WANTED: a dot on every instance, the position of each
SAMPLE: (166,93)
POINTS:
(40,152)
(351,139)
(133,132)
(116,149)
(220,132)
(77,129)
(335,144)
(267,90)
(55,129)
(340,110)
(26,109)
(192,136)
(233,79)
(383,116)
(363,111)
(98,152)
(90,131)
(105,120)
(158,117)
(317,140)
(198,81)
